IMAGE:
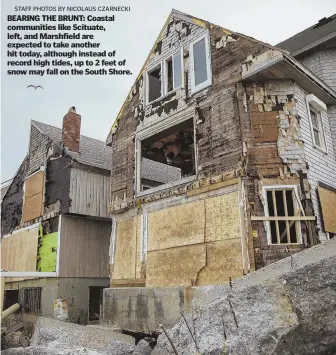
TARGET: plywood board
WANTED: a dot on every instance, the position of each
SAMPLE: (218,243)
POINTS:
(32,207)
(34,184)
(223,260)
(328,205)
(175,266)
(176,226)
(222,217)
(265,126)
(19,251)
(125,255)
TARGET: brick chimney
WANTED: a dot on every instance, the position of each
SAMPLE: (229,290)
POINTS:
(71,130)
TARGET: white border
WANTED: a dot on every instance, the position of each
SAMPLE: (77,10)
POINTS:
(58,245)
(171,56)
(208,82)
(27,274)
(267,223)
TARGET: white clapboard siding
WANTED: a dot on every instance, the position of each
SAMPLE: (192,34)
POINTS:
(89,193)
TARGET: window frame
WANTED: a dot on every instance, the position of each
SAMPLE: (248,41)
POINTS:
(296,205)
(149,131)
(171,56)
(152,68)
(318,107)
(208,82)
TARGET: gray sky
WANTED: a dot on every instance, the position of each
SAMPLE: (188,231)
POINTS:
(98,99)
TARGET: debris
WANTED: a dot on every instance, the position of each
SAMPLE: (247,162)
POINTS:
(170,341)
(142,348)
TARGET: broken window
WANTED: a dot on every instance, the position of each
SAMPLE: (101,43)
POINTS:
(11,297)
(282,209)
(167,156)
(317,128)
(174,72)
(154,84)
(200,63)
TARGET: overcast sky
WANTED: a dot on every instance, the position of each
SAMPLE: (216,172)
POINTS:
(98,99)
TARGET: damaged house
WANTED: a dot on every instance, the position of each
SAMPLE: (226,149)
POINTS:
(247,132)
(55,225)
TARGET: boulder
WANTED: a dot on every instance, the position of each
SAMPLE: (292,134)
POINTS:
(142,348)
(282,310)
(55,334)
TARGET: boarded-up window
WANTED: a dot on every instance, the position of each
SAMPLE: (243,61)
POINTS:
(33,197)
(19,250)
(328,205)
(30,299)
(265,126)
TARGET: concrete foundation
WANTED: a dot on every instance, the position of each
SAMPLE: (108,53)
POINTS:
(143,309)
(74,290)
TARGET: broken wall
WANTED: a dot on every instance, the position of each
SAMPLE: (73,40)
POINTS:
(215,108)
(11,207)
(322,165)
(273,137)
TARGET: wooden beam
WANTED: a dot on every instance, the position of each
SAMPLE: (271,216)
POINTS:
(290,218)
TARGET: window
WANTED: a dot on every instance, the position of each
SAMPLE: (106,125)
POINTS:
(154,84)
(317,129)
(200,63)
(166,157)
(316,108)
(174,72)
(283,226)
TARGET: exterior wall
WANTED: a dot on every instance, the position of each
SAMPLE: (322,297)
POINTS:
(40,148)
(89,193)
(84,245)
(275,155)
(322,62)
(11,206)
(218,135)
(332,124)
(191,240)
(322,166)
(74,290)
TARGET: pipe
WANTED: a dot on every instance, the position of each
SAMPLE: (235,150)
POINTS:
(10,310)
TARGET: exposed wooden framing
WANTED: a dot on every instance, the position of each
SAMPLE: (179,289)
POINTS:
(280,218)
(276,220)
(286,214)
(128,283)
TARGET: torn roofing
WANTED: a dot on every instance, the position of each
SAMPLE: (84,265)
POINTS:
(322,31)
(92,152)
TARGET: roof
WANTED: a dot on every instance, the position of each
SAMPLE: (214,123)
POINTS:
(317,34)
(92,152)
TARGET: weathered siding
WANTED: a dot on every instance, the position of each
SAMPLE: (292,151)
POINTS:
(11,206)
(322,166)
(89,193)
(84,246)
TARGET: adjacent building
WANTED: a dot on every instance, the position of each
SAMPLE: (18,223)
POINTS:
(55,224)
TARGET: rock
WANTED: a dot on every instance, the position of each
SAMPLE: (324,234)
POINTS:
(142,348)
(42,350)
(54,334)
(289,312)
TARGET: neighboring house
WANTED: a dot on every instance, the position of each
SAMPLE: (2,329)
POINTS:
(4,187)
(238,118)
(55,223)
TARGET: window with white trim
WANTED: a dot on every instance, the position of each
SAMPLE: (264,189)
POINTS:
(200,67)
(154,83)
(315,108)
(317,128)
(174,72)
(282,208)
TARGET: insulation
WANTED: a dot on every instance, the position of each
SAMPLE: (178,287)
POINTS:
(48,252)
(176,226)
(19,250)
(328,205)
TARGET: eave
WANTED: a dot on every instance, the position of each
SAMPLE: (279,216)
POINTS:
(280,66)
